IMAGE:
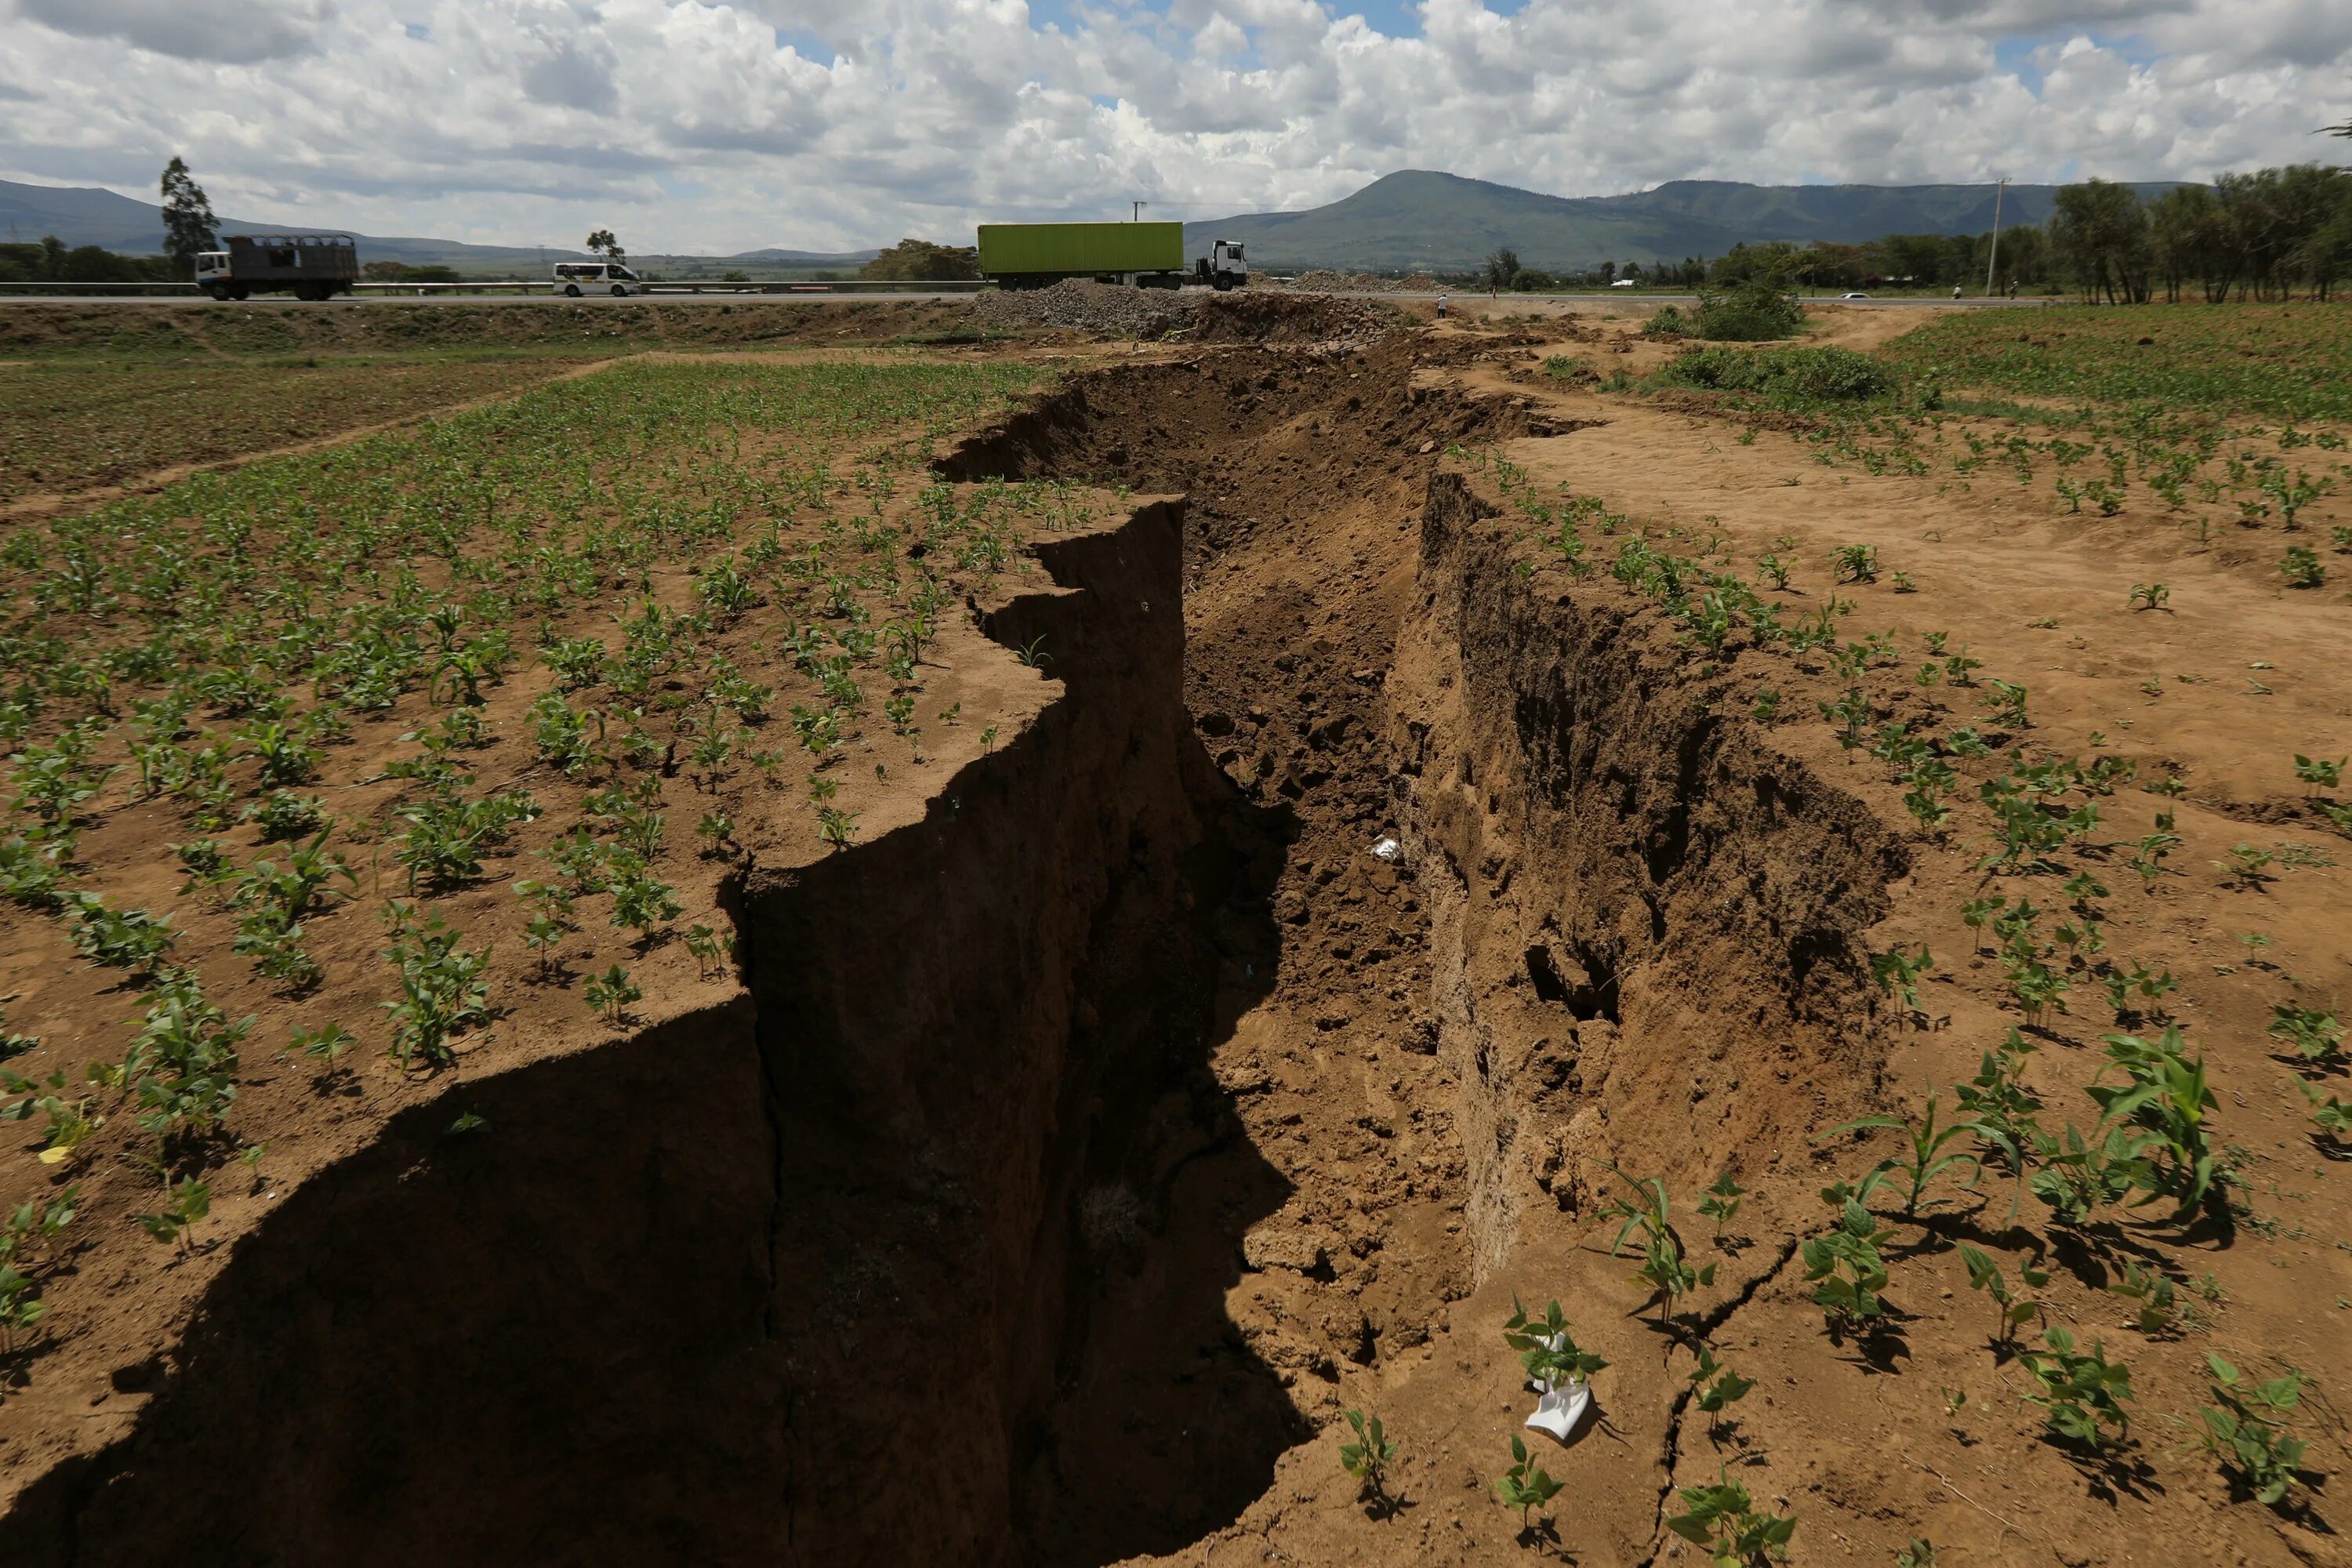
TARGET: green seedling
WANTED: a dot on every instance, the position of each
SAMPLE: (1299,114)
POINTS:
(1547,1350)
(2301,567)
(2329,1114)
(322,1044)
(2159,1314)
(1525,1486)
(2016,1308)
(1368,1458)
(1998,1097)
(835,826)
(711,948)
(1724,1523)
(1715,1385)
(2317,1036)
(1664,1266)
(1847,1267)
(190,1200)
(2245,1429)
(1899,974)
(2162,1102)
(27,1226)
(1917,1552)
(2148,596)
(2081,1395)
(1925,1161)
(2318,775)
(611,994)
(1720,1203)
(1854,563)
(442,989)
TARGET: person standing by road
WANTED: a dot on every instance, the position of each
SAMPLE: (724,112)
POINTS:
(1441,307)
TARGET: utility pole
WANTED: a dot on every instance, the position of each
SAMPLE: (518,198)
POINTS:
(1994,258)
(1137,217)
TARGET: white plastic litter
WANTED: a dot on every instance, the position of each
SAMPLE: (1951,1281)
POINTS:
(1560,1409)
(1387,849)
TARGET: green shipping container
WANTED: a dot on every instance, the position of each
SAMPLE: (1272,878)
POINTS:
(1083,250)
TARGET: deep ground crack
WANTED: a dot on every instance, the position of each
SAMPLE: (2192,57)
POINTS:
(1670,1447)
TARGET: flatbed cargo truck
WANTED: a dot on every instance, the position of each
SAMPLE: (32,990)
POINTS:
(309,265)
(1148,255)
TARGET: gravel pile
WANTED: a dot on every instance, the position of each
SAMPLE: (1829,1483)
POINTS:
(1080,305)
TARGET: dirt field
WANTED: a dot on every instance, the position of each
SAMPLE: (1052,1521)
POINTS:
(1379,809)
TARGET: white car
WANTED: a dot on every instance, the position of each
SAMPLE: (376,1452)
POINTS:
(1855,295)
(578,277)
(1625,283)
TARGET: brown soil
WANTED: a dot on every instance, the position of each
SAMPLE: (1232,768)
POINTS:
(1086,1140)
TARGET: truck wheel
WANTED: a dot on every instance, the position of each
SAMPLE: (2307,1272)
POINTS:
(573,290)
(619,293)
(218,290)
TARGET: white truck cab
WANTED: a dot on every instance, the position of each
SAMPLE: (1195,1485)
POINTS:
(578,277)
(1224,268)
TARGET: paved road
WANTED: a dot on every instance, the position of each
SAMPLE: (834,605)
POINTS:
(1463,297)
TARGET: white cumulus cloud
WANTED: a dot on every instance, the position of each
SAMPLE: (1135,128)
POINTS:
(719,125)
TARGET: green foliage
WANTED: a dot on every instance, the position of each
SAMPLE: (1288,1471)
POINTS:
(1664,1267)
(1723,1521)
(1368,1456)
(2082,1393)
(189,1200)
(2162,1102)
(27,1226)
(1525,1486)
(1715,1385)
(1754,311)
(2318,1038)
(2245,1429)
(129,939)
(2015,1309)
(1720,1203)
(443,991)
(1847,1266)
(1547,1350)
(1782,377)
(611,993)
(1925,1160)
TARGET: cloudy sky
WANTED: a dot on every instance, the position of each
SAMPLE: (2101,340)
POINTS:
(822,124)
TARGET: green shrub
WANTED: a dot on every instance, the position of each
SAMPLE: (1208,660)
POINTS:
(1796,375)
(1749,312)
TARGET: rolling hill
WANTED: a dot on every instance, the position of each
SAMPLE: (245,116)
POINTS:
(1418,218)
(82,214)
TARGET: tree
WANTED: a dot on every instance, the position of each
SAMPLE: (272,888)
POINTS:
(1501,267)
(189,226)
(920,261)
(2101,230)
(602,242)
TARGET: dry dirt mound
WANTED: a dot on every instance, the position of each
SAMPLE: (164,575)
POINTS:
(1253,316)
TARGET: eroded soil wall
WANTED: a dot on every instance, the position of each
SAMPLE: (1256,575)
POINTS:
(1640,907)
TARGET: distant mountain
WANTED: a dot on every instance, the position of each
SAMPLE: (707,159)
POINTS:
(81,214)
(1417,218)
(807,258)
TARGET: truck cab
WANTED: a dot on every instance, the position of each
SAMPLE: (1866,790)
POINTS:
(308,265)
(1224,268)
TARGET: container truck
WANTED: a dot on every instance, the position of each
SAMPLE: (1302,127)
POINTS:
(1148,255)
(310,265)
